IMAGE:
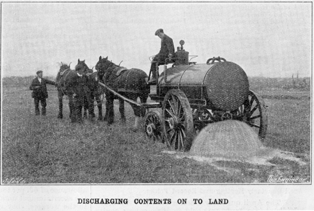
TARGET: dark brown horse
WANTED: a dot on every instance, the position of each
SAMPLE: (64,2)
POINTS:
(64,75)
(130,83)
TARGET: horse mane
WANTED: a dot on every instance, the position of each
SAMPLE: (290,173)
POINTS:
(111,65)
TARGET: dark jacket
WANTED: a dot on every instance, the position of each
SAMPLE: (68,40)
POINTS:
(77,85)
(40,89)
(167,47)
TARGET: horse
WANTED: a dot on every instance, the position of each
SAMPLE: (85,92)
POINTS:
(64,74)
(94,91)
(130,83)
(65,86)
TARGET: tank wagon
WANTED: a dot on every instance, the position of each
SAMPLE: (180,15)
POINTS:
(193,95)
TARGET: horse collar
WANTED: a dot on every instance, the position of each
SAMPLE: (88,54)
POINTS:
(119,70)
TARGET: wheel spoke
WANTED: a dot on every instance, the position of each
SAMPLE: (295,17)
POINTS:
(251,101)
(168,130)
(179,109)
(254,117)
(181,116)
(171,106)
(171,135)
(254,109)
(173,138)
(253,125)
(169,112)
(177,142)
(183,133)
(175,105)
(181,140)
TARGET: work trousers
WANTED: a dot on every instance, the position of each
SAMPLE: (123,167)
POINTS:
(160,60)
(78,102)
(43,106)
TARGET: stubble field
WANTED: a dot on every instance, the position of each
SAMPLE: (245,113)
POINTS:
(44,149)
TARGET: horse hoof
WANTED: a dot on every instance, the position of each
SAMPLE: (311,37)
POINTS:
(60,117)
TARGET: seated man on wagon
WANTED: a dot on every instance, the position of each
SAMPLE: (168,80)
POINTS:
(166,52)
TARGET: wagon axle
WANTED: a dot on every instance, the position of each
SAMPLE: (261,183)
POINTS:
(174,123)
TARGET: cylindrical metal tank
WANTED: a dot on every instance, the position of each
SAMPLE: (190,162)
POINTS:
(223,85)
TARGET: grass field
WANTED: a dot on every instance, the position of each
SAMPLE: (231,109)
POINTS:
(37,149)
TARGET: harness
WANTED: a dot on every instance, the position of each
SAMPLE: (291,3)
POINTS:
(64,76)
(61,73)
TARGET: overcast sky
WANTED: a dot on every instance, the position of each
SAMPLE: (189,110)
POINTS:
(265,39)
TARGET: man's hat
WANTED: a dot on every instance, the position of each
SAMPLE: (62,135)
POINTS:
(39,71)
(158,31)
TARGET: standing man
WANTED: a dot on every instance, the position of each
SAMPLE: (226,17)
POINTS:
(40,92)
(77,89)
(166,51)
(80,91)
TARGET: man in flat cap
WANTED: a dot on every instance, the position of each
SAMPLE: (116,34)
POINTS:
(166,51)
(40,92)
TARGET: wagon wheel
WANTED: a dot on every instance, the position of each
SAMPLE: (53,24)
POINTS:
(254,113)
(178,121)
(153,126)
